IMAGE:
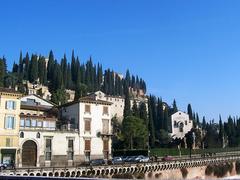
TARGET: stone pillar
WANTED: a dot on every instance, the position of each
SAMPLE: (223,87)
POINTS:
(38,156)
(20,158)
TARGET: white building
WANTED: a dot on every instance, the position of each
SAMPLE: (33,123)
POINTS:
(38,89)
(181,124)
(92,117)
(40,142)
(118,103)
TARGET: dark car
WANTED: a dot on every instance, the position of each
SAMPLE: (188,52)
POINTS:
(97,162)
(117,160)
(167,158)
(3,166)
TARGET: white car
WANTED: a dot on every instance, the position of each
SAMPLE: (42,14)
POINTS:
(142,159)
(3,166)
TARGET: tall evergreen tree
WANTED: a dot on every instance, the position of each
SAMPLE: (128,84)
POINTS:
(189,110)
(166,120)
(50,67)
(2,72)
(143,113)
(151,127)
(64,70)
(33,70)
(26,66)
(175,109)
(135,110)
(127,106)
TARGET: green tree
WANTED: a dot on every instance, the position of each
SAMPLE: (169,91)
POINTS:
(175,109)
(127,106)
(163,138)
(59,97)
(81,91)
(135,110)
(143,113)
(134,132)
(42,71)
(189,110)
(151,126)
(2,72)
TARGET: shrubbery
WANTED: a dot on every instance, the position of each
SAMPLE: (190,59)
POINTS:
(219,170)
(184,172)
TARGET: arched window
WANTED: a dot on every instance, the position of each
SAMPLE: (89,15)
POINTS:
(181,127)
(21,134)
(38,135)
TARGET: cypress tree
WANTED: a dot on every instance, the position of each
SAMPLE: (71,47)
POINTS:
(20,68)
(143,113)
(175,109)
(127,79)
(204,123)
(189,110)
(135,110)
(50,67)
(64,70)
(73,68)
(151,127)
(127,106)
(99,76)
(166,120)
(33,70)
(160,115)
(26,66)
(14,68)
(42,70)
(2,72)
(69,84)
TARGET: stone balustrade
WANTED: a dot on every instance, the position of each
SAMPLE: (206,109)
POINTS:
(110,170)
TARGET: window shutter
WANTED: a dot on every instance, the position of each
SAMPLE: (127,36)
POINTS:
(13,122)
(6,105)
(14,105)
(5,122)
(87,125)
(87,145)
(105,145)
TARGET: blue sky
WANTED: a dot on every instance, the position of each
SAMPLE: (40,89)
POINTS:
(184,49)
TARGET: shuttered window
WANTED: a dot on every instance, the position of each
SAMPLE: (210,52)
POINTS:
(87,145)
(87,125)
(105,145)
(9,122)
(48,149)
(10,105)
(105,110)
(87,108)
(105,126)
(70,149)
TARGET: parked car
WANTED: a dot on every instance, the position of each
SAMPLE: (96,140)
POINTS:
(144,159)
(3,166)
(117,160)
(167,158)
(97,162)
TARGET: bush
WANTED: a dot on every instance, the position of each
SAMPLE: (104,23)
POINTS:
(209,170)
(122,176)
(219,170)
(184,172)
(139,175)
(238,167)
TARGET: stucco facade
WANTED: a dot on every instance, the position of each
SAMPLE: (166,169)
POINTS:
(118,103)
(93,119)
(181,124)
(9,125)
